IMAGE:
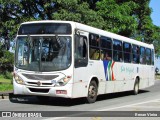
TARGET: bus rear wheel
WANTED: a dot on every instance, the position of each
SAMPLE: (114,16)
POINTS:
(92,92)
(136,87)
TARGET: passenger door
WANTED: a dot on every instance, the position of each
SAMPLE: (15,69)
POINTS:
(80,64)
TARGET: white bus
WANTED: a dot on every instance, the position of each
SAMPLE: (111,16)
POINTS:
(71,60)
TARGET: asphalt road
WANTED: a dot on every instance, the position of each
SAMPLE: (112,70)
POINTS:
(144,105)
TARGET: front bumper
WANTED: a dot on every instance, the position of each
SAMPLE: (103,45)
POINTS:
(43,91)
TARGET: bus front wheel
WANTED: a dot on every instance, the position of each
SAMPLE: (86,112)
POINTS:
(92,92)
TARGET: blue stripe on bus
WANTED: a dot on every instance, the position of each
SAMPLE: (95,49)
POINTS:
(105,64)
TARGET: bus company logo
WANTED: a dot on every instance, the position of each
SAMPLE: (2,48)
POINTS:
(39,83)
(6,114)
(53,81)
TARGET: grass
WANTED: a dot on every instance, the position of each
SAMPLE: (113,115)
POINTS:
(4,79)
(158,77)
(6,82)
(6,87)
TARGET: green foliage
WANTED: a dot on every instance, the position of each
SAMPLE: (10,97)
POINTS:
(117,16)
(3,79)
(6,57)
(156,39)
(79,12)
(6,61)
(6,87)
(6,80)
(8,75)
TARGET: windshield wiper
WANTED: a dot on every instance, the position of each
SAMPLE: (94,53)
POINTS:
(58,41)
(30,41)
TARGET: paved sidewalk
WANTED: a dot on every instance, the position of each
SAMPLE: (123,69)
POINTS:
(5,94)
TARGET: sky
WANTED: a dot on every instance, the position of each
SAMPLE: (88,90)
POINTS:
(155,5)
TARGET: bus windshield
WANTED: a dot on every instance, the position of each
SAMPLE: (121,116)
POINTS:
(43,53)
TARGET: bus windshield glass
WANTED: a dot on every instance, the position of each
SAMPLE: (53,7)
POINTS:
(43,53)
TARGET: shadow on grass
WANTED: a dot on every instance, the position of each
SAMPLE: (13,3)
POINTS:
(52,101)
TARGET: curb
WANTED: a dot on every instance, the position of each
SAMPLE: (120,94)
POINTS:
(9,95)
(5,95)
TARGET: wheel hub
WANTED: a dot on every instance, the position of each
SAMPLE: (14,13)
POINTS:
(92,91)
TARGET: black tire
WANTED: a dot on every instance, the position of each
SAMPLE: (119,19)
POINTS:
(136,87)
(92,92)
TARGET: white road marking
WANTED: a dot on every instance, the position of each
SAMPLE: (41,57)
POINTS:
(146,107)
(56,118)
(107,109)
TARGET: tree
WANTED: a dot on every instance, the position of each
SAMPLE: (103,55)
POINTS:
(156,39)
(117,16)
(6,60)
(15,12)
(79,12)
(146,30)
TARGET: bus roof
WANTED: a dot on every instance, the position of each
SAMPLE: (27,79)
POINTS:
(90,29)
(49,21)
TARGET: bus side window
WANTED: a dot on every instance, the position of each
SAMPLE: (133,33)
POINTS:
(148,56)
(142,55)
(117,51)
(94,43)
(106,48)
(80,51)
(135,54)
(127,52)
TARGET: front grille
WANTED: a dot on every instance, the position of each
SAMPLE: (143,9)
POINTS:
(40,77)
(35,83)
(39,90)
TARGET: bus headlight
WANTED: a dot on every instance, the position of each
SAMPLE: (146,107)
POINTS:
(63,81)
(18,79)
